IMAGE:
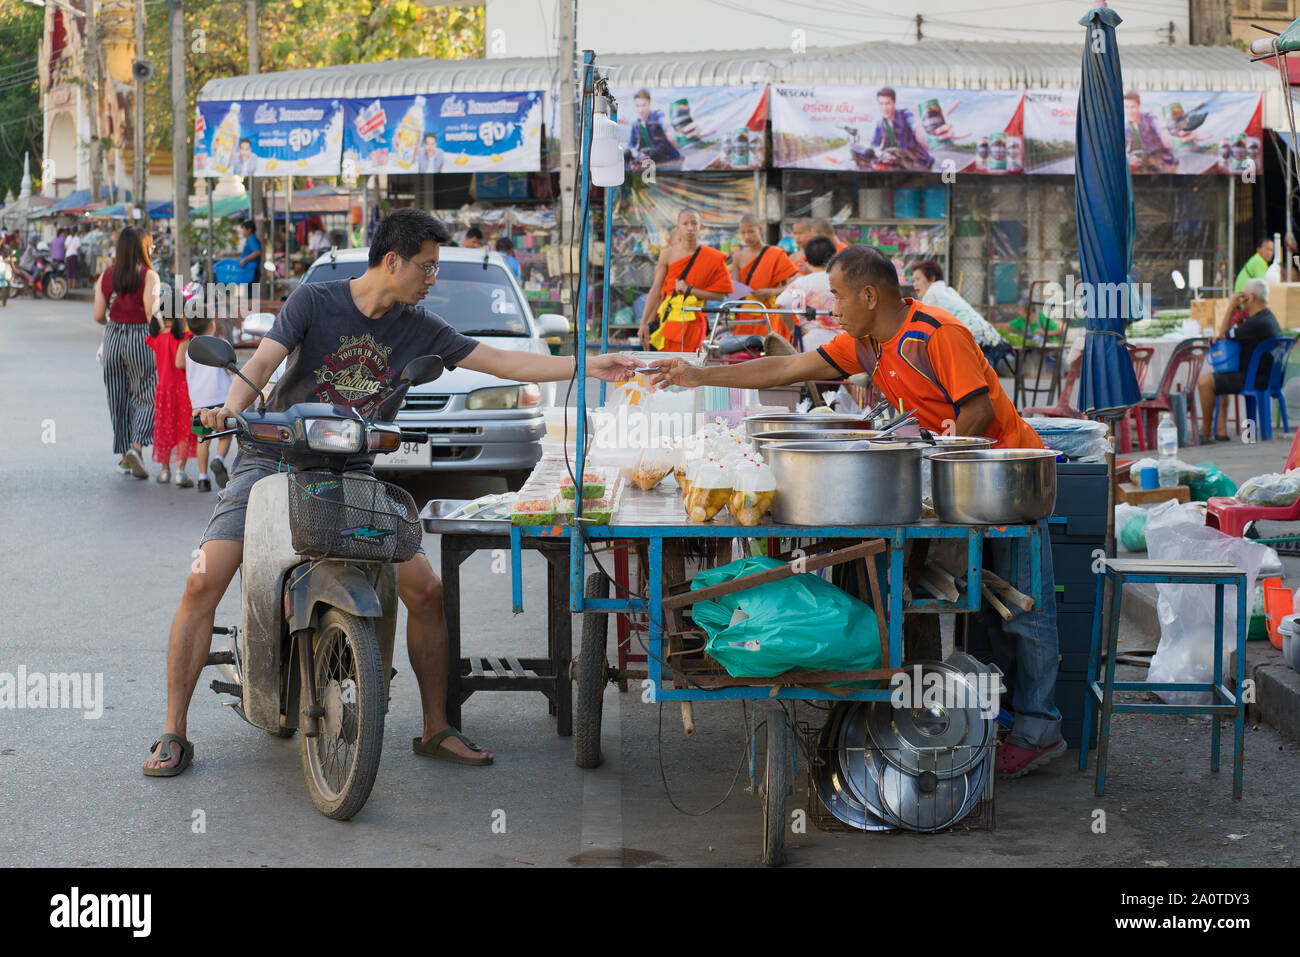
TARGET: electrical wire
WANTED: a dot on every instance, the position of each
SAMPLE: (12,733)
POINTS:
(744,754)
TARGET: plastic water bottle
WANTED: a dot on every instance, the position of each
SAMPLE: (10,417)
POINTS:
(1167,444)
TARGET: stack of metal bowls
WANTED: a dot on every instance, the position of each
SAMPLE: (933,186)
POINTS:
(879,767)
(775,421)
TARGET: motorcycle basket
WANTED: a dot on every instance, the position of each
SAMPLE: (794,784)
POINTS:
(352,516)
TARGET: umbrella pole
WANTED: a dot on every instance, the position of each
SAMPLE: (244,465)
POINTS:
(207,269)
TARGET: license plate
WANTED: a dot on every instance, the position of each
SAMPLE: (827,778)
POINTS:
(411,455)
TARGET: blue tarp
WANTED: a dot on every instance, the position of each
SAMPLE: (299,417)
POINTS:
(1103,207)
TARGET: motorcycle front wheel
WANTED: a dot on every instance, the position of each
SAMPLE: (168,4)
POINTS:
(341,763)
(57,288)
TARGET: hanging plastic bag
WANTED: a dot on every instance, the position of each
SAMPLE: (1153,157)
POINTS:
(799,622)
(1215,483)
(1186,612)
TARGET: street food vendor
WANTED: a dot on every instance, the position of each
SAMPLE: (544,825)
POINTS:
(926,359)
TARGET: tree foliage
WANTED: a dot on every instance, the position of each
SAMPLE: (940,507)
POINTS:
(20,102)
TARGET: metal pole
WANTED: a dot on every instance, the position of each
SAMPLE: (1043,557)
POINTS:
(91,87)
(207,273)
(254,67)
(609,231)
(1286,252)
(1232,233)
(576,564)
(565,115)
(138,150)
(180,120)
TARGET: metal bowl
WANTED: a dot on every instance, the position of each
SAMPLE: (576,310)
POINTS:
(764,439)
(947,443)
(846,483)
(993,486)
(776,421)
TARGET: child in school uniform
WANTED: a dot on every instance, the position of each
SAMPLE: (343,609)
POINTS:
(172,438)
(208,388)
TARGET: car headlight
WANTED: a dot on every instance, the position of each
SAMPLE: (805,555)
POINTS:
(333,435)
(505,397)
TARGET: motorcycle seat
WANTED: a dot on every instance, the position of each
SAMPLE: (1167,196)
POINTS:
(731,343)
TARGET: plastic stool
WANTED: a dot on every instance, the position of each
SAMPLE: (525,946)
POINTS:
(1115,575)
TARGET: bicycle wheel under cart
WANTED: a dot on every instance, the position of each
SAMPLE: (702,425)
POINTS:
(776,781)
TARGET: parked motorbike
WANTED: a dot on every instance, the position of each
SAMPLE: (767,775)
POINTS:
(46,278)
(9,282)
(314,647)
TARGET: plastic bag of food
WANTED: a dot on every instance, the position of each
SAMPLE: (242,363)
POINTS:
(651,467)
(1272,490)
(708,490)
(1131,527)
(1215,483)
(752,489)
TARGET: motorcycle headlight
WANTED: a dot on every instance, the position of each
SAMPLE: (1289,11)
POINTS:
(333,435)
(505,397)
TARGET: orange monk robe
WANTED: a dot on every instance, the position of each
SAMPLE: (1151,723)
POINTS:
(773,269)
(708,272)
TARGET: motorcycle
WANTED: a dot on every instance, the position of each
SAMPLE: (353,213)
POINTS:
(314,647)
(45,278)
(9,282)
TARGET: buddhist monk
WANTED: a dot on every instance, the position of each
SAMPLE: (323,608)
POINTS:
(801,231)
(766,270)
(707,279)
(822,227)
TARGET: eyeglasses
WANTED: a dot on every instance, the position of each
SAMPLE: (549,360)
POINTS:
(430,270)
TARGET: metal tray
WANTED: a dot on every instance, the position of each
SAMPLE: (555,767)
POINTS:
(439,518)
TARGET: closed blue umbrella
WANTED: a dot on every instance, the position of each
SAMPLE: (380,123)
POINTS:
(1103,209)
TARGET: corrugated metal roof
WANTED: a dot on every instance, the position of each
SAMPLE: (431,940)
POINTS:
(974,65)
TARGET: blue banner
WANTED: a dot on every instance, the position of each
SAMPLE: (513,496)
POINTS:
(444,133)
(268,138)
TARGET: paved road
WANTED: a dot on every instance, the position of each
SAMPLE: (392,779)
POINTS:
(94,562)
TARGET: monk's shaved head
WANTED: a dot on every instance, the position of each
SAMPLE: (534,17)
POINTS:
(822,227)
(687,212)
(748,220)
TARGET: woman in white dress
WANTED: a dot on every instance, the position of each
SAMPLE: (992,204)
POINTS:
(927,279)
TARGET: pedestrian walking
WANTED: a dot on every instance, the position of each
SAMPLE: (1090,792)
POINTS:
(125,297)
(73,252)
(173,438)
(208,389)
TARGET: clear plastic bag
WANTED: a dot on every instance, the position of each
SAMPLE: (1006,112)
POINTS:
(752,489)
(651,467)
(709,490)
(1130,527)
(1271,491)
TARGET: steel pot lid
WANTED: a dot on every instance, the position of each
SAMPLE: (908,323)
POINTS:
(947,738)
(831,784)
(994,455)
(924,802)
(772,421)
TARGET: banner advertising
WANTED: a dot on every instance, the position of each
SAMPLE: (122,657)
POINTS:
(260,138)
(445,133)
(1166,131)
(857,128)
(693,128)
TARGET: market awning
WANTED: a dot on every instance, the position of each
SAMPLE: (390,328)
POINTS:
(154,209)
(75,203)
(226,206)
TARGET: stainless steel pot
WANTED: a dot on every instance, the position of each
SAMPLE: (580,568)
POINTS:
(845,483)
(764,439)
(775,421)
(993,486)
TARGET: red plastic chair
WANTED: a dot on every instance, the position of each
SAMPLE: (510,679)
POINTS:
(1062,409)
(1140,356)
(1231,517)
(1183,370)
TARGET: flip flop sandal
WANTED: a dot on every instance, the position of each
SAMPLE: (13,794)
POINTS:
(433,748)
(187,755)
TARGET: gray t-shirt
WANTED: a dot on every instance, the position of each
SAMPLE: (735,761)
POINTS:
(341,356)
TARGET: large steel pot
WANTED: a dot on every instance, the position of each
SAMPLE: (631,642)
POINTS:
(764,439)
(993,486)
(775,421)
(844,483)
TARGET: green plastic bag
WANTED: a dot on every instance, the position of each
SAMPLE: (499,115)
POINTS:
(1214,483)
(799,622)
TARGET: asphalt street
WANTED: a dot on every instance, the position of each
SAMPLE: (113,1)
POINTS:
(91,569)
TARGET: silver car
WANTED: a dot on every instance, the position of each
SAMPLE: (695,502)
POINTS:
(475,422)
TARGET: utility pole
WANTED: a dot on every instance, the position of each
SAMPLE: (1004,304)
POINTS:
(254,66)
(138,150)
(91,77)
(919,20)
(1211,23)
(566,114)
(180,155)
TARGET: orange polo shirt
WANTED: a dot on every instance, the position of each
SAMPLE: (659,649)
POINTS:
(933,365)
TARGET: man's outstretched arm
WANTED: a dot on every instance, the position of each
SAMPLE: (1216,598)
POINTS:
(532,367)
(764,373)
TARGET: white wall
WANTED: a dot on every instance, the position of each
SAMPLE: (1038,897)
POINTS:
(526,28)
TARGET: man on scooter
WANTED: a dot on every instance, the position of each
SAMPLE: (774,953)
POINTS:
(363,332)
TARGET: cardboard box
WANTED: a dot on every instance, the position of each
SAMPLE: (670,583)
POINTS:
(1209,311)
(1284,303)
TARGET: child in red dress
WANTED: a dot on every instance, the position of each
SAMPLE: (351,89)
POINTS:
(172,435)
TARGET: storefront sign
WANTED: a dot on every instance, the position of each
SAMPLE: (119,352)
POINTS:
(859,128)
(1166,131)
(693,128)
(445,133)
(261,138)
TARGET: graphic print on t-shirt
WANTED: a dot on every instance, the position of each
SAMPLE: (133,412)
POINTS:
(355,375)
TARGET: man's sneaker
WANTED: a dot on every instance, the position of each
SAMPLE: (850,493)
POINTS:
(1014,761)
(135,464)
(164,477)
(183,480)
(219,472)
(203,485)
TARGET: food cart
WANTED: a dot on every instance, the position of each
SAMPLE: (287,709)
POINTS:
(653,522)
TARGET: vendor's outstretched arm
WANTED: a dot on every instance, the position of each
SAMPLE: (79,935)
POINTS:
(532,367)
(755,374)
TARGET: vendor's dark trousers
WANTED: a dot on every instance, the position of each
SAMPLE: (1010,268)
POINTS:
(130,377)
(1026,648)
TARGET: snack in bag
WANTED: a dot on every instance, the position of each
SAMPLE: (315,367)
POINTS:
(753,488)
(710,489)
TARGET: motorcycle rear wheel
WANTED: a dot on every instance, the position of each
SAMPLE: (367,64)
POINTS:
(57,288)
(340,764)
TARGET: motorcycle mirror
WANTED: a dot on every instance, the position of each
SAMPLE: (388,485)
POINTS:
(212,351)
(423,369)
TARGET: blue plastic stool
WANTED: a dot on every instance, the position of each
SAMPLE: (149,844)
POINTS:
(1114,576)
(1259,402)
